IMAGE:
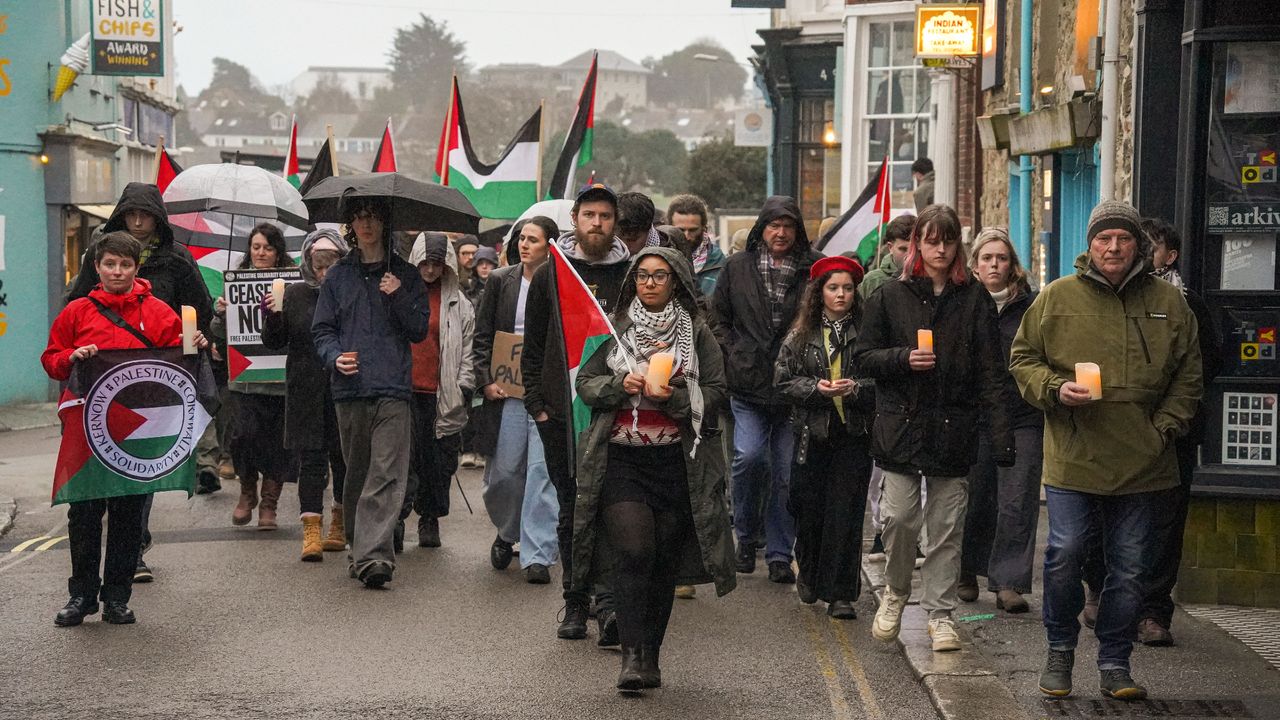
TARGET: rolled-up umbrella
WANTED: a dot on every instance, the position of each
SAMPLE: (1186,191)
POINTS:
(412,204)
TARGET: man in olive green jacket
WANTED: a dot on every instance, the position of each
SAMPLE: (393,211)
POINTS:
(1109,458)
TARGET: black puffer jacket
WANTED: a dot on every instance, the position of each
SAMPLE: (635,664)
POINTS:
(173,273)
(741,312)
(927,422)
(802,362)
(1021,413)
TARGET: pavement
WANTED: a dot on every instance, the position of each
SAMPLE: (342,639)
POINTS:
(236,626)
(28,417)
(1206,674)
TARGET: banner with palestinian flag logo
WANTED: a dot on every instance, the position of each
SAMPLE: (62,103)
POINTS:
(585,327)
(859,228)
(130,423)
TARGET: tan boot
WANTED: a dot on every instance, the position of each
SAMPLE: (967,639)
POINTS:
(243,511)
(226,470)
(336,541)
(267,508)
(312,545)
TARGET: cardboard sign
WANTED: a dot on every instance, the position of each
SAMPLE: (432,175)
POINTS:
(504,366)
(248,360)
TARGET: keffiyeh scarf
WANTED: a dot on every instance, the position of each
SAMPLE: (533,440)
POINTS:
(1171,276)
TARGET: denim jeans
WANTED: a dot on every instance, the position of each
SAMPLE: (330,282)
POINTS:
(1130,532)
(763,445)
(518,492)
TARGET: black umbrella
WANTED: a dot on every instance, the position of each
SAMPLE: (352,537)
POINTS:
(414,205)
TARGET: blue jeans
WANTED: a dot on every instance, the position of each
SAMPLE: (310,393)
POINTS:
(763,442)
(1130,538)
(518,493)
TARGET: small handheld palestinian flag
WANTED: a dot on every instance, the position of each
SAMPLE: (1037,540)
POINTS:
(859,228)
(578,144)
(385,159)
(130,423)
(321,168)
(291,159)
(166,169)
(585,327)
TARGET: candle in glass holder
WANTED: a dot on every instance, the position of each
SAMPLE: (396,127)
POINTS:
(924,340)
(277,294)
(1090,376)
(188,330)
(659,373)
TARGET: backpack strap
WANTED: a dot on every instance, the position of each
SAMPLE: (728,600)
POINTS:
(121,323)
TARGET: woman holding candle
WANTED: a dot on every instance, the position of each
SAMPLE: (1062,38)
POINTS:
(645,486)
(310,423)
(927,409)
(257,432)
(84,327)
(1004,503)
(831,413)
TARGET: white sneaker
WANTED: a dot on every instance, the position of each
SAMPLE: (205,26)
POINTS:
(888,618)
(945,637)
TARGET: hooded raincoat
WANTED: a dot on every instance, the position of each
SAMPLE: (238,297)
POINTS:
(708,553)
(457,332)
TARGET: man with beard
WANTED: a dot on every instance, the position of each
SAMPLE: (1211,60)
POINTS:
(601,260)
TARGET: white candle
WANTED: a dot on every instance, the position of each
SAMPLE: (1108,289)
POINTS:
(1090,376)
(277,294)
(188,330)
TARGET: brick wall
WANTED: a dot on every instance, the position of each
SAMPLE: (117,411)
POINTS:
(1229,554)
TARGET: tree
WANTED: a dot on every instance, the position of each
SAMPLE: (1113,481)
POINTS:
(654,161)
(690,78)
(233,83)
(328,96)
(423,56)
(727,176)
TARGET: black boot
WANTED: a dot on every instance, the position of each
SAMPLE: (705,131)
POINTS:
(75,611)
(500,553)
(118,613)
(650,673)
(397,539)
(632,676)
(428,532)
(574,624)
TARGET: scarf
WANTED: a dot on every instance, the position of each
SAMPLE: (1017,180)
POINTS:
(837,329)
(833,333)
(701,254)
(667,330)
(148,247)
(777,281)
(654,239)
(1170,275)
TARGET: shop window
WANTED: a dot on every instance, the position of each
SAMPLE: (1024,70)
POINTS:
(148,122)
(896,110)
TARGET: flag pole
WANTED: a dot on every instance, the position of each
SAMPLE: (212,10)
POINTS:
(155,164)
(542,118)
(333,158)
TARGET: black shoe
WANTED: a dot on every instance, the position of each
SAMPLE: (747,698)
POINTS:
(746,562)
(117,613)
(842,610)
(1118,685)
(808,594)
(500,553)
(1056,678)
(397,539)
(650,673)
(75,611)
(143,574)
(631,678)
(967,588)
(207,483)
(376,575)
(428,532)
(781,573)
(574,624)
(877,548)
(607,626)
(537,574)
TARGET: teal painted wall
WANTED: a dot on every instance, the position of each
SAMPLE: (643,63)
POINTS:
(1078,185)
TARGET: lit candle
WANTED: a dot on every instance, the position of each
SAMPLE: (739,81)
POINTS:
(659,370)
(277,294)
(188,330)
(924,340)
(1090,376)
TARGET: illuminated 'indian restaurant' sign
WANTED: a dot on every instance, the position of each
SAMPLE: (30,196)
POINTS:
(951,30)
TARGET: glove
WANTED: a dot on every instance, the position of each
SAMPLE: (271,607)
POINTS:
(1006,458)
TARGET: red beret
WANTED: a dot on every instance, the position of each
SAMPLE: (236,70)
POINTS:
(837,263)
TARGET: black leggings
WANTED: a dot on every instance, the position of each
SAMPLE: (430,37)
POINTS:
(314,465)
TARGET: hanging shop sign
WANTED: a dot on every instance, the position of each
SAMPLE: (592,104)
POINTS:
(949,30)
(128,37)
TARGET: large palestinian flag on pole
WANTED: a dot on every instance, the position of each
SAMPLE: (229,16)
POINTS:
(502,190)
(859,228)
(578,144)
(585,327)
(291,158)
(130,423)
(385,159)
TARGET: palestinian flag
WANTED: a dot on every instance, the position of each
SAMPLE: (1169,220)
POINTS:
(585,327)
(578,143)
(859,228)
(291,159)
(322,167)
(130,423)
(166,169)
(504,189)
(385,160)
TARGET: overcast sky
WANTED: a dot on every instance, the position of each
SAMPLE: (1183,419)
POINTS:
(277,39)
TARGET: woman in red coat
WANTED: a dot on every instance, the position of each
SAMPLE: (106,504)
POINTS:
(78,333)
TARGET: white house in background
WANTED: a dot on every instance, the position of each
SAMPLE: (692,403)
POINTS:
(617,77)
(238,129)
(360,82)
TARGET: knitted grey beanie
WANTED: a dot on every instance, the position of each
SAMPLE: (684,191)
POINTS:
(1116,215)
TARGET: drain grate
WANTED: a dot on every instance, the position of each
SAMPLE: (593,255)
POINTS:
(1169,709)
(1255,627)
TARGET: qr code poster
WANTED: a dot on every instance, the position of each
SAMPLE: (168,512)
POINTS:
(1248,429)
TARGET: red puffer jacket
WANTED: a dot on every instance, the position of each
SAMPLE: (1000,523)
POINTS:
(80,323)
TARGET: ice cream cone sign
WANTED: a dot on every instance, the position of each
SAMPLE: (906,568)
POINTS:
(74,61)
